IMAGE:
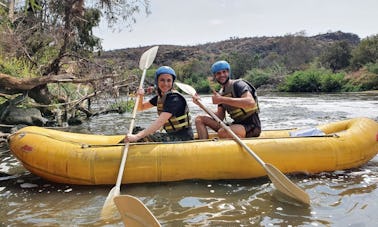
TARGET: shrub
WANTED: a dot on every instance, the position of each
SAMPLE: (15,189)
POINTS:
(372,67)
(332,82)
(123,106)
(258,77)
(15,67)
(313,81)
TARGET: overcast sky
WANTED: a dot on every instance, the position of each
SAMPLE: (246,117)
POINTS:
(192,22)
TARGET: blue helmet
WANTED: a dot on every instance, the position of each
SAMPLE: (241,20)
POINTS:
(221,65)
(164,70)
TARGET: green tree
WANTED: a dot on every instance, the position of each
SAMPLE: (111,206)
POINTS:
(52,34)
(55,40)
(365,52)
(337,56)
(241,63)
(296,51)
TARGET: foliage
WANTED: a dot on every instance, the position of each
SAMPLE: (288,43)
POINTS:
(86,40)
(337,56)
(241,63)
(366,52)
(16,67)
(193,72)
(258,77)
(332,82)
(51,33)
(372,67)
(313,81)
(296,51)
(362,80)
(70,91)
(123,106)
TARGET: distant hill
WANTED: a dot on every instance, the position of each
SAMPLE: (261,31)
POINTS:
(301,48)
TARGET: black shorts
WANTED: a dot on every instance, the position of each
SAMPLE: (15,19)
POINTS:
(252,126)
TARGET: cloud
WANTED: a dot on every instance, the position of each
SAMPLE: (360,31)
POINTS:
(216,22)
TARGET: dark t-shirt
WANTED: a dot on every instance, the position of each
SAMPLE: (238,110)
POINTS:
(252,124)
(240,87)
(173,104)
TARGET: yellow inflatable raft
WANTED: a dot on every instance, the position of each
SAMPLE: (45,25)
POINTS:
(94,159)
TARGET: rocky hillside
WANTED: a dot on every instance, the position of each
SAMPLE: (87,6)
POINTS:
(264,47)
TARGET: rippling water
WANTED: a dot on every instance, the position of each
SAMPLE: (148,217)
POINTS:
(341,198)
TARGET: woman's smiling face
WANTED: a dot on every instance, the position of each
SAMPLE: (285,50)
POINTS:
(165,82)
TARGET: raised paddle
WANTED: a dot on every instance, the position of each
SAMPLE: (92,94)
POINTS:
(109,207)
(280,181)
(134,212)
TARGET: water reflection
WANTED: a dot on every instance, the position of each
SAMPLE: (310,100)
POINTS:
(341,198)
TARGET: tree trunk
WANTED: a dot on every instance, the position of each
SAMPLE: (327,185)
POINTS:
(11,85)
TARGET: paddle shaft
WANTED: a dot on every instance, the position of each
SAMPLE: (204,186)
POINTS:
(131,127)
(145,62)
(228,129)
(279,180)
(282,183)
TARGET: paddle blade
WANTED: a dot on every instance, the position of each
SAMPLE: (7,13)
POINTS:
(134,212)
(186,88)
(284,185)
(148,57)
(109,208)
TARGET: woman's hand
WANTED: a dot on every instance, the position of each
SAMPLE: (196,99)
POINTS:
(140,92)
(195,99)
(129,138)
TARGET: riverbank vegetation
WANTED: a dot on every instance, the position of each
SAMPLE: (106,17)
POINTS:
(50,60)
(47,59)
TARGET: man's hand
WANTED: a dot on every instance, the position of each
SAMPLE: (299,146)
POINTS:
(217,98)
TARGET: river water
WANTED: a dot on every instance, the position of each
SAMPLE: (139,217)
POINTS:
(341,198)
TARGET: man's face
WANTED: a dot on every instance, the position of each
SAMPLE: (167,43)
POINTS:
(222,76)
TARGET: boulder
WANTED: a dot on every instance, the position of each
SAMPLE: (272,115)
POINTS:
(27,116)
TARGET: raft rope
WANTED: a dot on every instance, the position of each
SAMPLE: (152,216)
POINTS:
(23,133)
(84,145)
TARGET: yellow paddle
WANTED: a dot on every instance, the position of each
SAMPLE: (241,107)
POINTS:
(109,207)
(280,181)
(134,212)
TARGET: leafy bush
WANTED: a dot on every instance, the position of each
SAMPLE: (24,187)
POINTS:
(302,81)
(258,77)
(201,85)
(372,67)
(15,67)
(332,82)
(123,106)
(313,81)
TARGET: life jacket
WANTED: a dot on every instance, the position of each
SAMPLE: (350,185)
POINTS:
(236,113)
(174,124)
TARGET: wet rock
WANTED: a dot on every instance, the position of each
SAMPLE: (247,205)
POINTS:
(74,121)
(27,116)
